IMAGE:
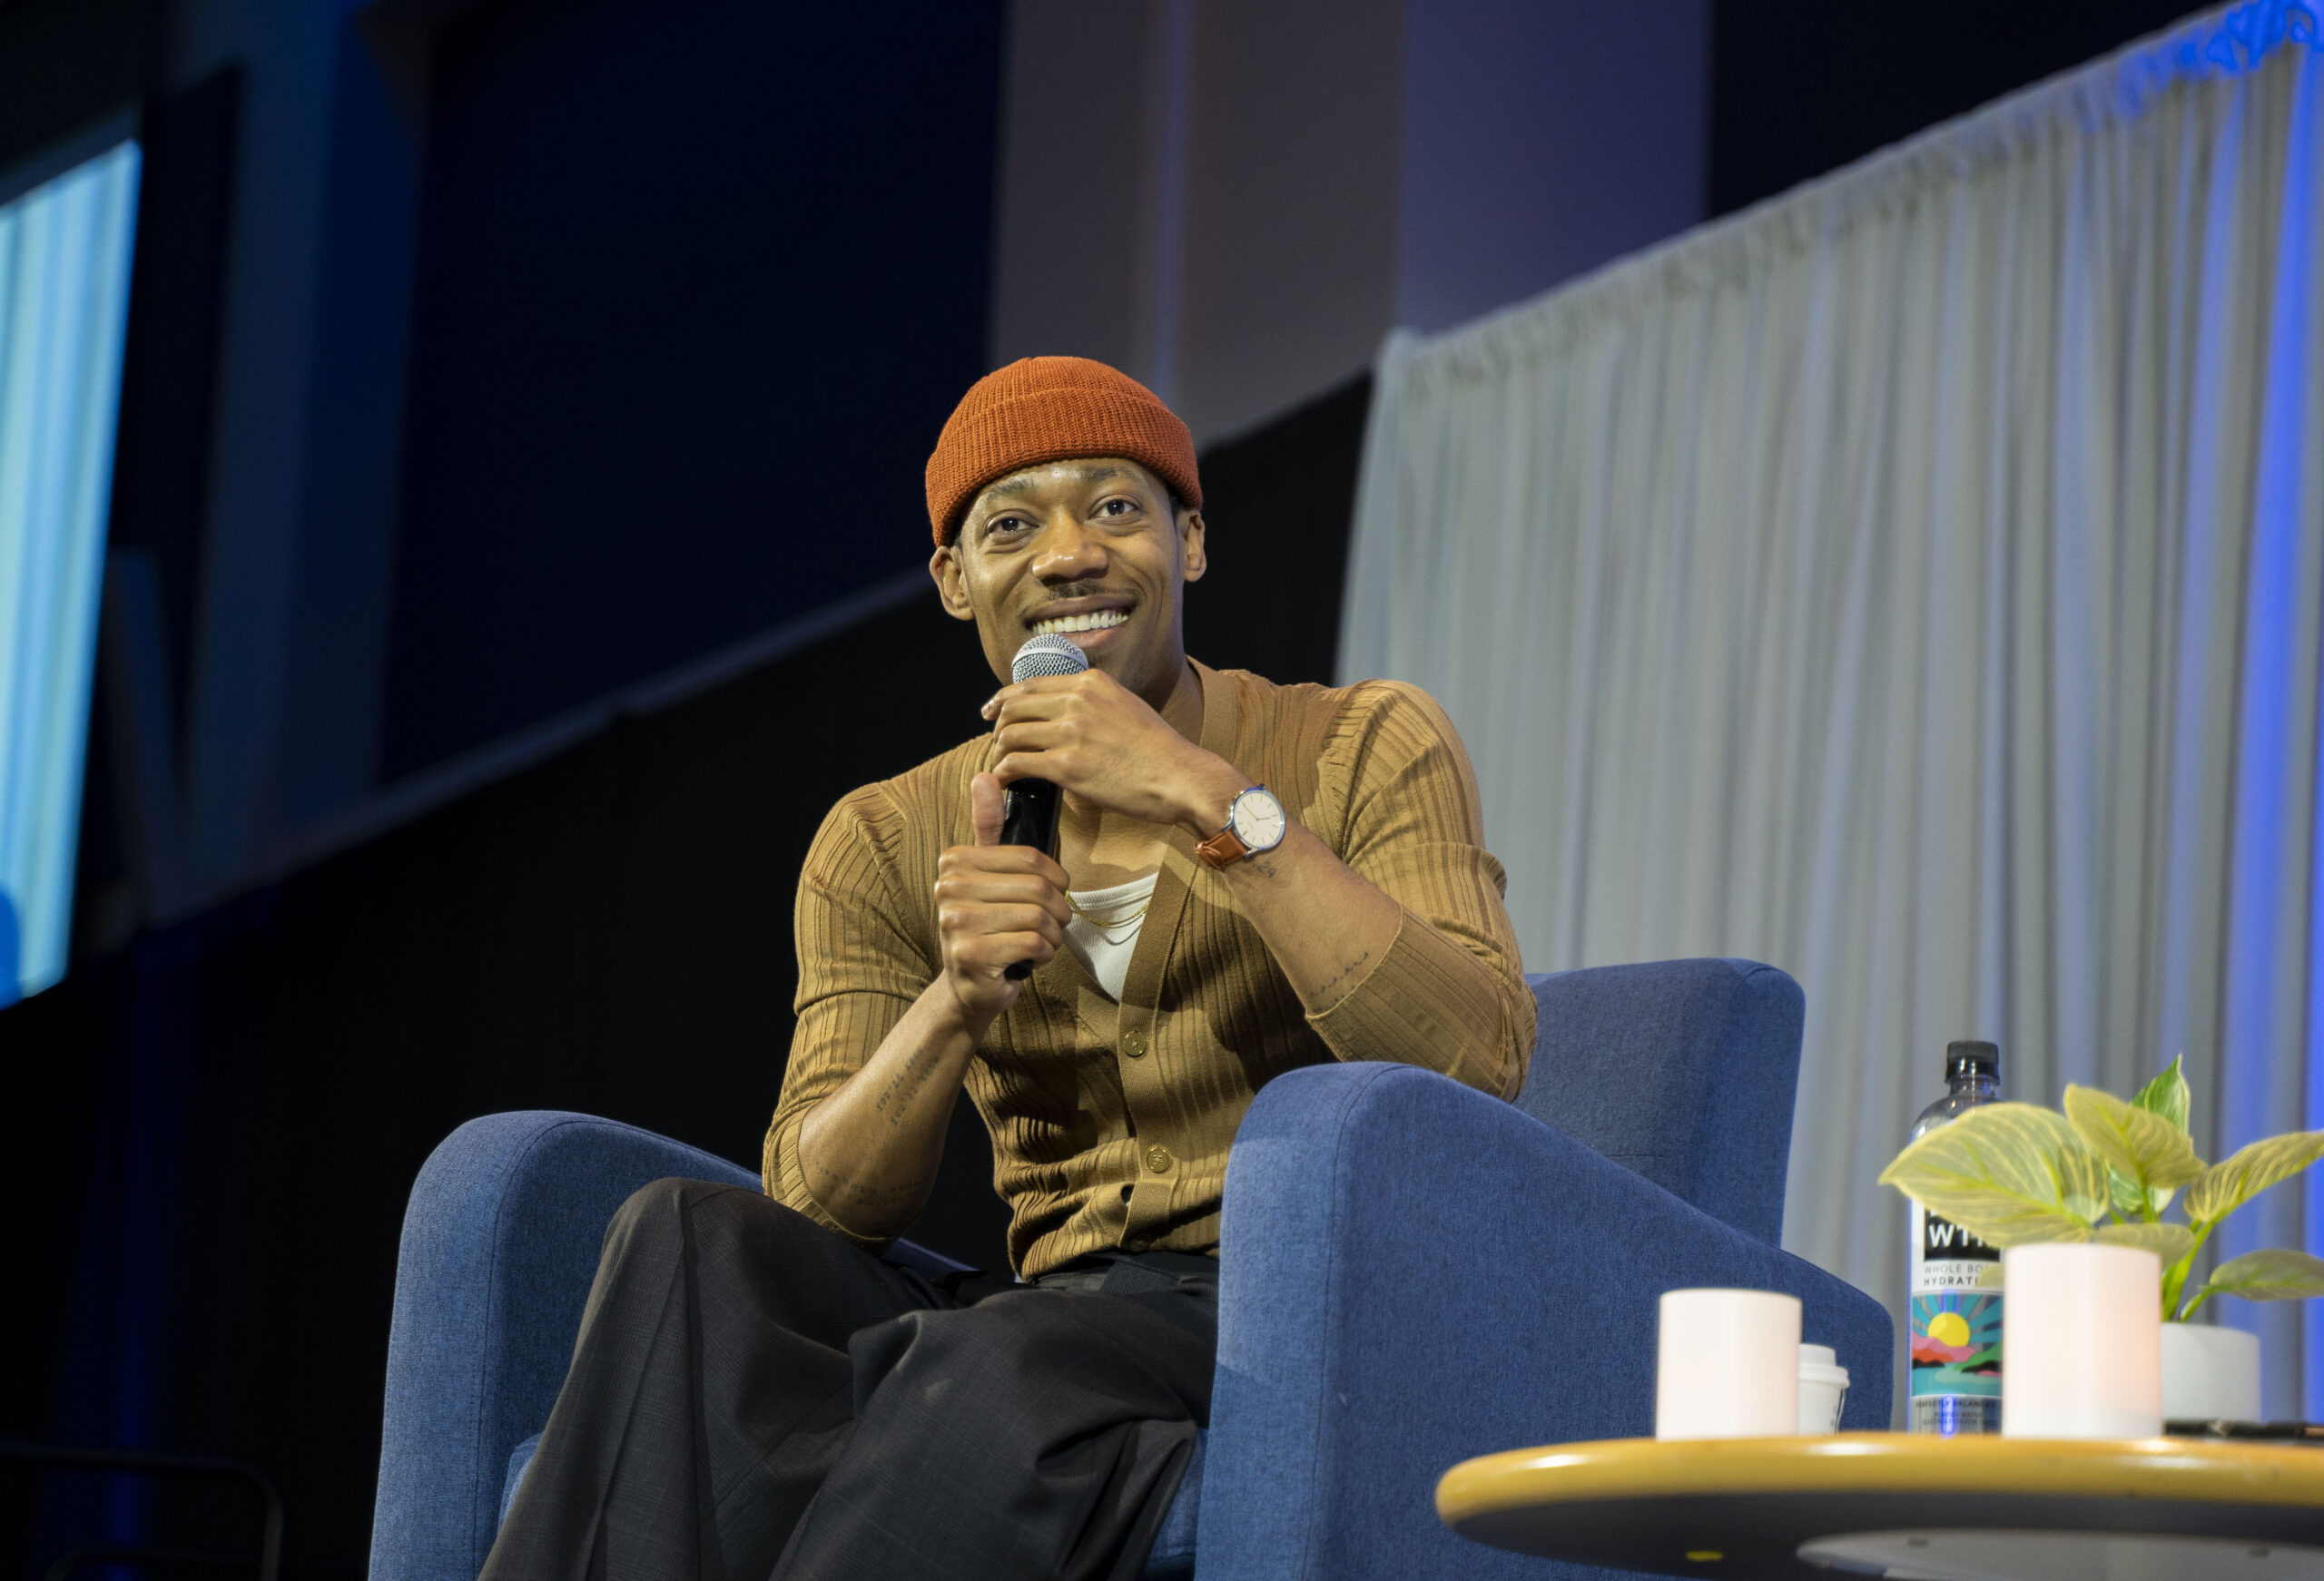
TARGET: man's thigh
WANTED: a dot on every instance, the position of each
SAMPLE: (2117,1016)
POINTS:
(741,1255)
(1037,1433)
(1146,1355)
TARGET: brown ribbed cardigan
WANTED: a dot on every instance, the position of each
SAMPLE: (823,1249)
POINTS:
(1110,1123)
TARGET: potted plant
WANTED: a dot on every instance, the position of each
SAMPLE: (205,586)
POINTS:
(2108,1170)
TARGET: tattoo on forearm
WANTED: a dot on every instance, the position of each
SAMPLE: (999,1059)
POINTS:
(905,1085)
(1346,972)
(832,1190)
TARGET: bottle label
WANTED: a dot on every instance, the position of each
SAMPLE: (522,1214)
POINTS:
(1955,1310)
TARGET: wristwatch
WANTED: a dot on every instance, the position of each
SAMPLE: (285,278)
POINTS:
(1255,823)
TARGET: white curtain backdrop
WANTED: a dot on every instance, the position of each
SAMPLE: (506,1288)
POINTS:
(1915,582)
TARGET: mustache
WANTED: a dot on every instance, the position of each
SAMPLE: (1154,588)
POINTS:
(1071,590)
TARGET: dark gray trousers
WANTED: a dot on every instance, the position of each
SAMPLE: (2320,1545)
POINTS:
(753,1399)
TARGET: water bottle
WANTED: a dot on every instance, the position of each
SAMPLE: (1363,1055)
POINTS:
(1954,1298)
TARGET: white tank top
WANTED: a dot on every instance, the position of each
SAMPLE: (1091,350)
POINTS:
(1103,947)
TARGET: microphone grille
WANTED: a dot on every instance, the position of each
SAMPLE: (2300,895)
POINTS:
(1047,654)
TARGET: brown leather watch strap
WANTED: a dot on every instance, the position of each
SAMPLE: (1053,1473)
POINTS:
(1222,849)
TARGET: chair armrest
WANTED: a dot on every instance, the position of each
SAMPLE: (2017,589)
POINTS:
(501,1244)
(930,1265)
(1414,1274)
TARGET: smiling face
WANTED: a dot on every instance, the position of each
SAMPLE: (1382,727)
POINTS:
(1090,549)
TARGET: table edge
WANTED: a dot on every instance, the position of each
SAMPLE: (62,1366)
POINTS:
(2195,1469)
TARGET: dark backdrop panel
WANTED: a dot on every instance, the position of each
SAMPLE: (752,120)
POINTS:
(64,64)
(1799,88)
(698,284)
(169,374)
(1278,505)
(169,384)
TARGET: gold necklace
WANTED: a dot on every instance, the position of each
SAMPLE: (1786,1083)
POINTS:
(1117,922)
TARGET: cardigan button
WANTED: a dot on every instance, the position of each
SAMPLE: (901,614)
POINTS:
(1158,1158)
(1134,1043)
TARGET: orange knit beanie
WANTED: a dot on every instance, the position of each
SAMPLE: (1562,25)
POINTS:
(1053,409)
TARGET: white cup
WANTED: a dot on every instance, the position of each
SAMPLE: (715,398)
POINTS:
(1823,1389)
(2081,1342)
(1727,1365)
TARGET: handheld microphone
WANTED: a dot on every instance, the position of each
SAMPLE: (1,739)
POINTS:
(1029,811)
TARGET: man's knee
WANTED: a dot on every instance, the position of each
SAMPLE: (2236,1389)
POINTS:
(670,1212)
(707,1213)
(662,1201)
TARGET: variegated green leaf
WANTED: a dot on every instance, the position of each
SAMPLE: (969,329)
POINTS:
(2168,1241)
(2013,1174)
(2277,1276)
(2167,1094)
(2230,1183)
(2125,1196)
(2148,1150)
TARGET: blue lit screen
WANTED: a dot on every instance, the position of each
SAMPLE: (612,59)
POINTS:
(63,300)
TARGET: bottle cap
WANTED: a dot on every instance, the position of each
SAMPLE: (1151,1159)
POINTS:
(1963,1058)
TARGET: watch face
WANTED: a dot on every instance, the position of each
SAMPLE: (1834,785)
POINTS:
(1257,819)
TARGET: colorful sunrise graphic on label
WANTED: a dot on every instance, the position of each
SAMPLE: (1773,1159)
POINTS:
(1956,1343)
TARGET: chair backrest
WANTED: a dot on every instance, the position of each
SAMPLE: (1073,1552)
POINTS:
(1682,1070)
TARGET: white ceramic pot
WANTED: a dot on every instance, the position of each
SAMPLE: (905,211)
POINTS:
(2209,1374)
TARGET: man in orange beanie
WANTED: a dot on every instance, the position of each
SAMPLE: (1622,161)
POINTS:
(1250,877)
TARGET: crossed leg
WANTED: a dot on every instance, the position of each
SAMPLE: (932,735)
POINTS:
(753,1396)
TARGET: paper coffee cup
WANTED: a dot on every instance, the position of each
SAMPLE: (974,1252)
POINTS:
(1823,1389)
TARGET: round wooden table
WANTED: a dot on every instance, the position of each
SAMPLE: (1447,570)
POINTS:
(1906,1505)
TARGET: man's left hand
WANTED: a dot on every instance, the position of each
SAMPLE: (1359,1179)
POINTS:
(1101,742)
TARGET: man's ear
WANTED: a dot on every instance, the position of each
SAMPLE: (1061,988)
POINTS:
(945,566)
(1191,554)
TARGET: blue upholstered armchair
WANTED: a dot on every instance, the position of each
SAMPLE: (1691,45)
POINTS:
(1412,1274)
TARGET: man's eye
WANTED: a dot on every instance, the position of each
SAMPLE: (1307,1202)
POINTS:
(1116,507)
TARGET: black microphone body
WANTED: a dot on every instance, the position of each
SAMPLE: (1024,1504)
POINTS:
(1028,817)
(1029,809)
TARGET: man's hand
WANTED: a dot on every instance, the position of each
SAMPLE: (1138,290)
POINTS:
(1326,924)
(1104,744)
(996,905)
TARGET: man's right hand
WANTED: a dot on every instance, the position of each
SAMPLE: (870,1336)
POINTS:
(996,905)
